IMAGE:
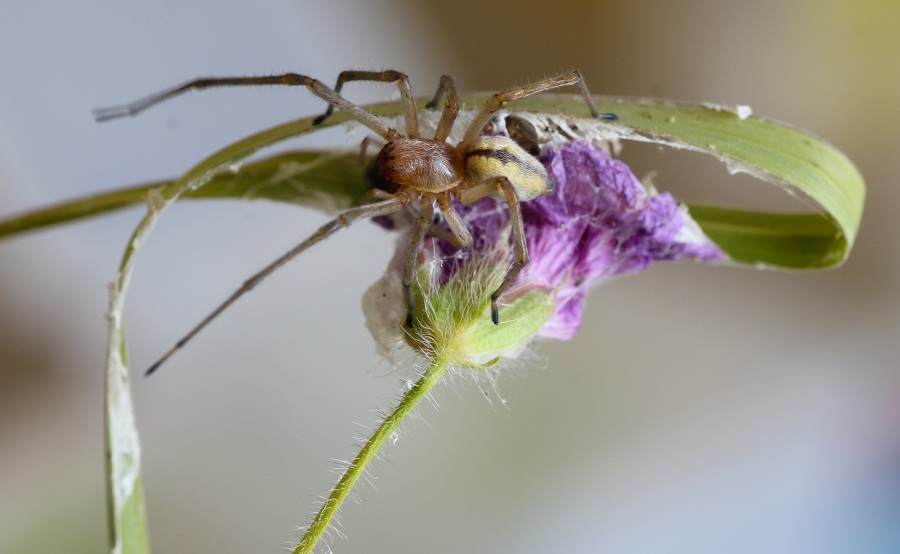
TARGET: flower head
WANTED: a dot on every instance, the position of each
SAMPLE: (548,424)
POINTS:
(600,222)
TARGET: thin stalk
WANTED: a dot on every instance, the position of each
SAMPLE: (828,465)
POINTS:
(77,209)
(329,509)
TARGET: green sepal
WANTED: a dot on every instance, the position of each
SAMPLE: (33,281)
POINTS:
(521,319)
(455,317)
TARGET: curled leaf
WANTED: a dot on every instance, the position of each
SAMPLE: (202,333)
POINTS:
(796,161)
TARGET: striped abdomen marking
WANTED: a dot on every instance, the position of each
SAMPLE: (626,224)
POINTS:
(490,158)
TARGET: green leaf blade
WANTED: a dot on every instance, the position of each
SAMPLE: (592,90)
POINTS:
(794,160)
(763,239)
(797,162)
(127,521)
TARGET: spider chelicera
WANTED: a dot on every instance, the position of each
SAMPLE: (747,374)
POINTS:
(410,167)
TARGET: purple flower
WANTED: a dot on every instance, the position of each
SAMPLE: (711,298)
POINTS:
(600,222)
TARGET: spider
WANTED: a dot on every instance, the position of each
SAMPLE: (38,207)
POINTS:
(411,168)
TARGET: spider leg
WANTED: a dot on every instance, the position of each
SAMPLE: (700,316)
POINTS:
(500,99)
(375,195)
(448,117)
(461,234)
(519,244)
(390,76)
(289,79)
(444,235)
(342,220)
(423,223)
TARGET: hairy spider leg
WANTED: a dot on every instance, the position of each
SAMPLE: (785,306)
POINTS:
(461,237)
(410,113)
(423,223)
(448,117)
(289,79)
(499,100)
(519,245)
(344,219)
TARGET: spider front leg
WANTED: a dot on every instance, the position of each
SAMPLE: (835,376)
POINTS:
(289,79)
(410,113)
(499,100)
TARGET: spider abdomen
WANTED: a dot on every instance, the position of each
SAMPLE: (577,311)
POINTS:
(491,158)
(423,164)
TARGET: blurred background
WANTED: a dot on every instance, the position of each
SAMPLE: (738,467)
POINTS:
(700,409)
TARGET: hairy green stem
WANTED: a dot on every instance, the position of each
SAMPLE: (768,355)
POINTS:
(423,386)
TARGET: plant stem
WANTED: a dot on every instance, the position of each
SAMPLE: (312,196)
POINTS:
(422,388)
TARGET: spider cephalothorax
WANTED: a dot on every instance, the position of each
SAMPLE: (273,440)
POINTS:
(412,171)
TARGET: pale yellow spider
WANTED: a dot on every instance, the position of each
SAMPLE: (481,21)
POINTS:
(410,167)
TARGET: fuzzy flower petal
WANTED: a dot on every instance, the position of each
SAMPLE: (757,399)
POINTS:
(599,223)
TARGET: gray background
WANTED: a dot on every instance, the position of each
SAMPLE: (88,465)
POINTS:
(698,410)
